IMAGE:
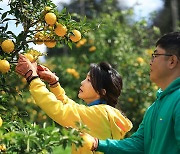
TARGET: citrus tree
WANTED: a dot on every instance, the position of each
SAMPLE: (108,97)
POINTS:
(41,22)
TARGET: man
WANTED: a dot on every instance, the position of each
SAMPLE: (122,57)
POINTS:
(159,132)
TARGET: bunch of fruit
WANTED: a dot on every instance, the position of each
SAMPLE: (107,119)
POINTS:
(54,28)
(8,48)
(49,29)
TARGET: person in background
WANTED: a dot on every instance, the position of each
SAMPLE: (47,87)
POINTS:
(100,90)
(159,132)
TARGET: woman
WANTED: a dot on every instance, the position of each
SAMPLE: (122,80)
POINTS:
(100,90)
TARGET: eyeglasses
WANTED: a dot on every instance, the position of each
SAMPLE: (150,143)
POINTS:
(159,54)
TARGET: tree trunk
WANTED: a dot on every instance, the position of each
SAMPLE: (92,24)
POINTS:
(82,9)
(174,9)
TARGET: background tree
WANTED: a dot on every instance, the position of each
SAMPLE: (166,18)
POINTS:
(168,18)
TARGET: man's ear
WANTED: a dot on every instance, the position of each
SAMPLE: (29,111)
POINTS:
(173,61)
(104,91)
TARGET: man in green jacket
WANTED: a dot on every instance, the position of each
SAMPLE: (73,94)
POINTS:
(159,132)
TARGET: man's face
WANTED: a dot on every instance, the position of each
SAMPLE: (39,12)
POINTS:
(159,70)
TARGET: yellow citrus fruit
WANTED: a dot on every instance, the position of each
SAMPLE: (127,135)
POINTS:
(39,38)
(34,53)
(130,99)
(76,37)
(149,51)
(23,80)
(91,49)
(88,141)
(50,18)
(29,56)
(81,42)
(50,44)
(1,121)
(2,147)
(4,66)
(60,30)
(7,46)
(140,60)
(51,27)
(47,8)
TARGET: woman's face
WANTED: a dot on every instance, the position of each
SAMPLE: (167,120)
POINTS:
(87,92)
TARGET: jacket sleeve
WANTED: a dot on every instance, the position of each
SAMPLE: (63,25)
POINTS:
(61,95)
(131,145)
(176,117)
(65,114)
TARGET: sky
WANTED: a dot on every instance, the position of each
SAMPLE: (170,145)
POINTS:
(142,8)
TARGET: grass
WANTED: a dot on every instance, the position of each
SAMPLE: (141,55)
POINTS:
(60,150)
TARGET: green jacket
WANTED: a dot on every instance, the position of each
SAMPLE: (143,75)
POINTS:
(159,132)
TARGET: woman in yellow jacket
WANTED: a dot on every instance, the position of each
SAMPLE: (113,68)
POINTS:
(100,90)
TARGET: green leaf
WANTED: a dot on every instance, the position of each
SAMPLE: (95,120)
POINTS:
(3,108)
(4,15)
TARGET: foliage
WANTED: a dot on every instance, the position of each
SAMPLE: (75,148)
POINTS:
(24,137)
(92,8)
(20,136)
(19,132)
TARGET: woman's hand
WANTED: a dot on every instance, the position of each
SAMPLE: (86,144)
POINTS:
(91,143)
(45,74)
(26,68)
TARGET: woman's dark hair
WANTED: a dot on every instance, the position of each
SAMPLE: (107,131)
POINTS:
(103,76)
(170,43)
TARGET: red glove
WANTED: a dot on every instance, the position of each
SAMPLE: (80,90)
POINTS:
(45,74)
(26,68)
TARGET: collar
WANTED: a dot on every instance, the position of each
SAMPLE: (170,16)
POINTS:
(97,102)
(174,85)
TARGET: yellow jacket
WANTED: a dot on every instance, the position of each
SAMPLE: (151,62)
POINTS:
(102,120)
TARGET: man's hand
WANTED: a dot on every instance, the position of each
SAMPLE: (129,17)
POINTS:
(45,74)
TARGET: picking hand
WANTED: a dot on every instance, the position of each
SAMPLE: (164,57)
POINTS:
(26,68)
(45,74)
(91,143)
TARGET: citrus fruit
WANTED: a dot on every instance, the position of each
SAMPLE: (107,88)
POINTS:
(29,56)
(88,141)
(2,147)
(7,46)
(76,36)
(50,18)
(60,30)
(47,8)
(92,49)
(4,66)
(140,60)
(1,121)
(130,99)
(39,38)
(51,27)
(34,53)
(50,44)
